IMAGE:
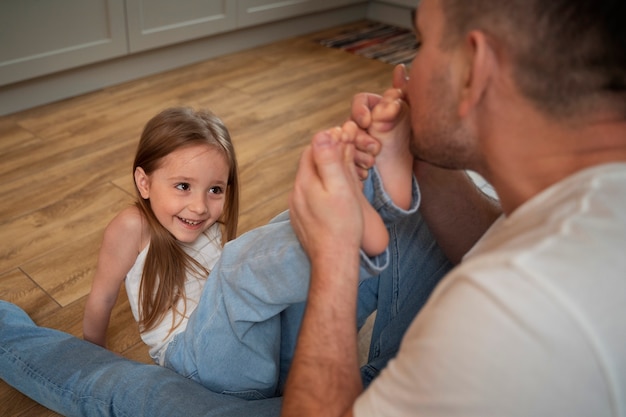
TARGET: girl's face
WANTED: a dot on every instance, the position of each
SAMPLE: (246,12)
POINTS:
(187,192)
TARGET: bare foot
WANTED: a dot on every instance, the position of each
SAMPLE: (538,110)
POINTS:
(375,234)
(392,128)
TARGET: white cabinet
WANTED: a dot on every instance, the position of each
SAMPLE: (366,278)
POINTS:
(42,37)
(156,23)
(55,49)
(254,12)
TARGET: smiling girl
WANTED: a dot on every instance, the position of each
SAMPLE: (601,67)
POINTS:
(164,246)
(211,311)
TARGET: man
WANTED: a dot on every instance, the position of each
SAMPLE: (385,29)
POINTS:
(532,95)
(70,376)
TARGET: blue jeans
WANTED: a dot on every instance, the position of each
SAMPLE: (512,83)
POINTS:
(416,266)
(74,377)
(232,343)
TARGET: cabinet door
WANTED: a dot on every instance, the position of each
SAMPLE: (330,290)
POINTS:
(154,23)
(41,37)
(253,12)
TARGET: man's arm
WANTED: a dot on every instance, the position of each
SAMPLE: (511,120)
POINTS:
(326,215)
(457,212)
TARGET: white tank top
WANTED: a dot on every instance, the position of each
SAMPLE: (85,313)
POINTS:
(206,250)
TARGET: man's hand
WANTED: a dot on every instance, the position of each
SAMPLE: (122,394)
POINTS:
(327,217)
(366,150)
(367,147)
(364,103)
(324,204)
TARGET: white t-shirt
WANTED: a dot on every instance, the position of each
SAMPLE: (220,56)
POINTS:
(206,250)
(533,321)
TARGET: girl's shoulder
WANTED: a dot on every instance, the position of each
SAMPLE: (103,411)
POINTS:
(130,224)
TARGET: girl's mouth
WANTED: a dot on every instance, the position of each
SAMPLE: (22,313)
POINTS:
(192,223)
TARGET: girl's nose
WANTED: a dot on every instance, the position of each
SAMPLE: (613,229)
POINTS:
(199,205)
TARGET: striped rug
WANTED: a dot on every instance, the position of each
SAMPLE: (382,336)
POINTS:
(390,44)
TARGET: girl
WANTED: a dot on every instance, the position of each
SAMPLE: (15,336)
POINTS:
(235,331)
(185,173)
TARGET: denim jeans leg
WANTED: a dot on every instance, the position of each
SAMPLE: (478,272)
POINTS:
(417,265)
(76,378)
(232,340)
(236,340)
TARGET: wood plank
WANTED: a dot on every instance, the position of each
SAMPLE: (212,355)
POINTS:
(51,227)
(17,288)
(66,273)
(65,168)
(13,136)
(16,404)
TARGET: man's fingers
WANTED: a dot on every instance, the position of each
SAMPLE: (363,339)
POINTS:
(364,142)
(362,104)
(400,77)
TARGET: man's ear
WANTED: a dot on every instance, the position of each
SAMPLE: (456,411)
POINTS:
(480,64)
(142,182)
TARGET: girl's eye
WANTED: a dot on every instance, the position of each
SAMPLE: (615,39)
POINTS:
(216,190)
(183,186)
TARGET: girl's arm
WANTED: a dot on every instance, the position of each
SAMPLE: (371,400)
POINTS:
(121,244)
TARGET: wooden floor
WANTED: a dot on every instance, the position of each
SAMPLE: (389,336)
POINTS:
(65,168)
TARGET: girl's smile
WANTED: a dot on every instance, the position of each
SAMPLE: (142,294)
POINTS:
(191,223)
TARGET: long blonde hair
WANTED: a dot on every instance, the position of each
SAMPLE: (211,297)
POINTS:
(166,265)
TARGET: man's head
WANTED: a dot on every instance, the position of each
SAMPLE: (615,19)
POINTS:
(479,59)
(567,55)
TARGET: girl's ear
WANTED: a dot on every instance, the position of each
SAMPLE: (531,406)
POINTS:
(142,181)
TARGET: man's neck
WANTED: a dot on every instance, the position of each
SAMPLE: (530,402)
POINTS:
(530,153)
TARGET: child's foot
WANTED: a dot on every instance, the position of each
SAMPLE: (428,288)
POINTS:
(392,127)
(375,235)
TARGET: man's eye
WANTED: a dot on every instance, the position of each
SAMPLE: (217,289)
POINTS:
(183,186)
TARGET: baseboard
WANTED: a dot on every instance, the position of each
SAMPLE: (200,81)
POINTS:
(390,13)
